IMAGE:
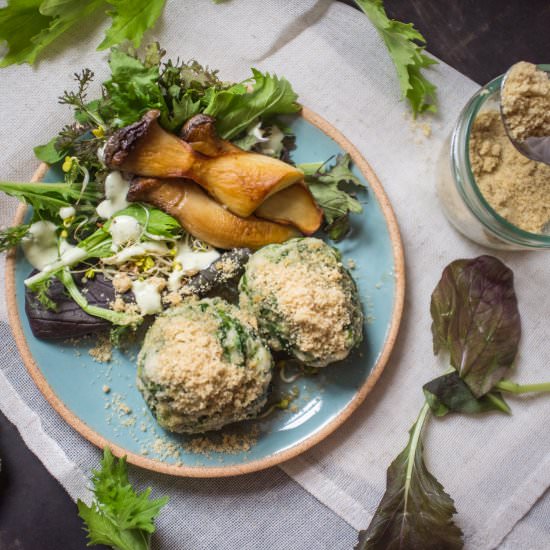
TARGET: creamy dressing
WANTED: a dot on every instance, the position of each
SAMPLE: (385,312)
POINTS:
(136,250)
(66,212)
(147,297)
(116,189)
(40,246)
(273,144)
(191,262)
(124,229)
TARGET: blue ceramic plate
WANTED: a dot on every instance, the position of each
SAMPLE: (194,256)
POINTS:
(101,401)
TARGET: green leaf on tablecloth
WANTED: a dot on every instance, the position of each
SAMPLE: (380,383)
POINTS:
(119,516)
(415,511)
(476,318)
(405,46)
(449,393)
(20,21)
(131,18)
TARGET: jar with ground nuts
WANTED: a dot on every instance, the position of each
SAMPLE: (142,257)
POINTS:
(489,191)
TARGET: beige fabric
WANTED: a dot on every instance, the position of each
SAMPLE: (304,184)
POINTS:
(495,467)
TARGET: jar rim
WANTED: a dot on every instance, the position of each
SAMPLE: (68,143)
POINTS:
(460,148)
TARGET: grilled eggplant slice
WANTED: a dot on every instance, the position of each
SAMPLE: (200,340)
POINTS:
(205,218)
(294,205)
(239,180)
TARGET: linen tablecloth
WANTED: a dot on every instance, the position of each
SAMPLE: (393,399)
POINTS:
(495,467)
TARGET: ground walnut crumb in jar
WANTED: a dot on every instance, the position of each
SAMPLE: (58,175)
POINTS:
(489,191)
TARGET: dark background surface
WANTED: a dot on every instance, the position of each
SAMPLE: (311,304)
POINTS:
(480,39)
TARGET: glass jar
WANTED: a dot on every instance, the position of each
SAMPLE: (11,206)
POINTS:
(462,201)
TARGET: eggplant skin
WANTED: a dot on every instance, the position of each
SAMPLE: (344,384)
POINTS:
(69,320)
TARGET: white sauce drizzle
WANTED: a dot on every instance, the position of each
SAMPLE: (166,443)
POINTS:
(66,212)
(191,261)
(135,251)
(40,246)
(147,297)
(124,229)
(116,189)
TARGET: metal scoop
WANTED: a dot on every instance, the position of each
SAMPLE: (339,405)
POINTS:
(535,148)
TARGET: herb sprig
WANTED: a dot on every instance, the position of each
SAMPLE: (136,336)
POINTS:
(475,318)
(119,516)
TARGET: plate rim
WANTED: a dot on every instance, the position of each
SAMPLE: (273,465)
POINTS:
(275,458)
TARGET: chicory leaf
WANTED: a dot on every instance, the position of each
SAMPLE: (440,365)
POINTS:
(415,511)
(475,317)
(449,393)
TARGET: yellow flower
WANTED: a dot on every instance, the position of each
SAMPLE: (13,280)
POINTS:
(177,266)
(64,234)
(148,263)
(68,164)
(90,273)
(99,132)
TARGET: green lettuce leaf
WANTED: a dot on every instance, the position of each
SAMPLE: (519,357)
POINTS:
(449,393)
(237,108)
(415,511)
(405,46)
(131,18)
(475,317)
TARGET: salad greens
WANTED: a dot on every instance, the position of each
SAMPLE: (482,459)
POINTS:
(178,90)
(326,184)
(155,223)
(29,26)
(119,516)
(415,511)
(475,316)
(47,198)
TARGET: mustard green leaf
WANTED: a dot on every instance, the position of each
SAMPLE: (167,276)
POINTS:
(119,516)
(131,18)
(64,14)
(405,46)
(20,21)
